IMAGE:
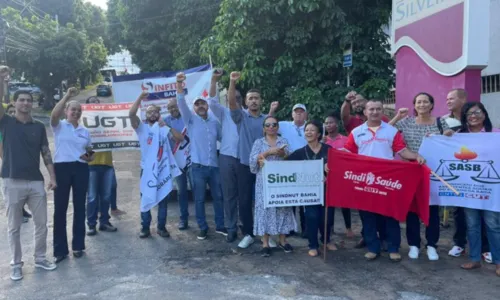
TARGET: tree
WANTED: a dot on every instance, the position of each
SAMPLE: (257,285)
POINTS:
(48,56)
(162,35)
(292,49)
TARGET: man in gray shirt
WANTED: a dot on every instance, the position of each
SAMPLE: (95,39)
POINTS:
(204,131)
(250,124)
(24,139)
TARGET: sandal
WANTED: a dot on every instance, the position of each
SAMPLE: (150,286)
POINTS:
(313,253)
(331,247)
(471,266)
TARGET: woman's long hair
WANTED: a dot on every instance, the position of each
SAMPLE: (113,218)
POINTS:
(488,127)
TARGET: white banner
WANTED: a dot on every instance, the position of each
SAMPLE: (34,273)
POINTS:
(109,126)
(293,183)
(162,87)
(470,162)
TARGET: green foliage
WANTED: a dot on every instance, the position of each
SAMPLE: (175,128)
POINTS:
(162,35)
(47,55)
(292,49)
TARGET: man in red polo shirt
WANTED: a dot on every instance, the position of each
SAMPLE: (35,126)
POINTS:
(376,138)
(355,102)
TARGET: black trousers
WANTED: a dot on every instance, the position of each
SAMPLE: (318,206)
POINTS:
(246,195)
(70,176)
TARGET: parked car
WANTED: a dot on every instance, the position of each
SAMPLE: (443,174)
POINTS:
(103,90)
(24,86)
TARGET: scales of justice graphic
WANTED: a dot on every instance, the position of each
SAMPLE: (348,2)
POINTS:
(487,173)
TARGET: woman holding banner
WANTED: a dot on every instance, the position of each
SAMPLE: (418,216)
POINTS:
(414,129)
(315,214)
(475,119)
(275,220)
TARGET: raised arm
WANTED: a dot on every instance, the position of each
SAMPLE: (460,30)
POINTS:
(186,113)
(402,113)
(4,75)
(132,113)
(345,110)
(213,100)
(231,92)
(58,110)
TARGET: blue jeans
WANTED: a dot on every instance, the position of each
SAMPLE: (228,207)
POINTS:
(182,195)
(162,216)
(392,232)
(492,221)
(201,176)
(99,194)
(114,186)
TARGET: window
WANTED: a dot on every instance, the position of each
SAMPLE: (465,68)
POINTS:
(490,84)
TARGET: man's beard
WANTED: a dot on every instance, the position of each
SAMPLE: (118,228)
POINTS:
(153,120)
(359,111)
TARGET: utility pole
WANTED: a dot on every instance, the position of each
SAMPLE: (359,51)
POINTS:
(3,55)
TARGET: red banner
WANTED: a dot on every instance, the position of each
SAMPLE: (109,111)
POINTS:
(387,187)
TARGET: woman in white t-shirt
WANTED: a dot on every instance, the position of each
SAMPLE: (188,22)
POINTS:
(73,152)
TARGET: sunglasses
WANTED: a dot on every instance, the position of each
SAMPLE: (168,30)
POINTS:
(476,113)
(272,125)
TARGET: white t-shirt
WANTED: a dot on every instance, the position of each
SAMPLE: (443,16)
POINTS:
(293,134)
(145,137)
(70,142)
(453,123)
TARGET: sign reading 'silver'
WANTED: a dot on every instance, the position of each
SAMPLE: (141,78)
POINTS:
(445,34)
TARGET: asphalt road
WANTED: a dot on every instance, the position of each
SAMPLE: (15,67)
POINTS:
(122,266)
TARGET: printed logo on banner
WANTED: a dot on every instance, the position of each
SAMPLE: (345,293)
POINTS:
(292,183)
(371,181)
(467,163)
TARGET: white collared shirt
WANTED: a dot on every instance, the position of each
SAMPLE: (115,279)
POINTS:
(294,134)
(71,142)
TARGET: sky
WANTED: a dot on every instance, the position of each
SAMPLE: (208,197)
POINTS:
(100,3)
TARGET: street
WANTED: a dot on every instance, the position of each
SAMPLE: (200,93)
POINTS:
(121,266)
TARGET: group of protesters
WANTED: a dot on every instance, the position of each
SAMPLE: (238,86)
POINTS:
(248,139)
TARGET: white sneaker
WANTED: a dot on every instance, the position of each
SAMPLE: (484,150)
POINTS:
(432,253)
(487,257)
(272,243)
(414,252)
(456,251)
(246,242)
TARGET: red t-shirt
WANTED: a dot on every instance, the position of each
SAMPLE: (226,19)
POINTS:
(355,121)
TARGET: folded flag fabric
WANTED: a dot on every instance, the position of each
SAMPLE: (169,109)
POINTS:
(160,168)
(387,187)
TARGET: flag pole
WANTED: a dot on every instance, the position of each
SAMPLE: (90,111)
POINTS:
(445,183)
(325,233)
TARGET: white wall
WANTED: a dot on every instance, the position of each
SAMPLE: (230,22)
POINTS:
(492,103)
(492,100)
(494,59)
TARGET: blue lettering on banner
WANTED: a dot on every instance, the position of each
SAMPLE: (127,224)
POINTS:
(450,194)
(406,9)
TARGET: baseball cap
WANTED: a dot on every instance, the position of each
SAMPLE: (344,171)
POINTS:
(199,98)
(299,105)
